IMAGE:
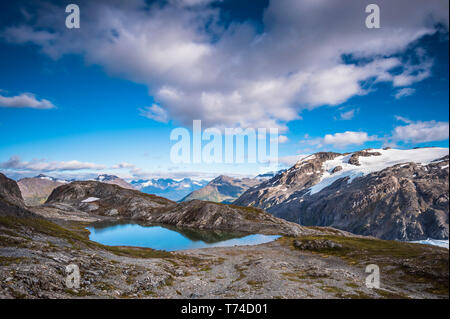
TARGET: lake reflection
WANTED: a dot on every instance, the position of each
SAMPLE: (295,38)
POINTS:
(169,238)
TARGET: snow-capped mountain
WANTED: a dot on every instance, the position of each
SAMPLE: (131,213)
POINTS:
(223,189)
(113,179)
(269,175)
(50,178)
(169,188)
(387,193)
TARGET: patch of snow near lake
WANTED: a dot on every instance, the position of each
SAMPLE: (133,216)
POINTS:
(433,242)
(90,200)
(373,164)
(46,177)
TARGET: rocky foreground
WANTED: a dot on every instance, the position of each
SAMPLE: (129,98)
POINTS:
(306,262)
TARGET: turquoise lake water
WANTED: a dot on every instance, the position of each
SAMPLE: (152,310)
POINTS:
(169,239)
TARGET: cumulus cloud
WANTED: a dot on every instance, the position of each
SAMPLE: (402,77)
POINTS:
(24,100)
(404,92)
(347,138)
(341,140)
(15,163)
(420,132)
(232,74)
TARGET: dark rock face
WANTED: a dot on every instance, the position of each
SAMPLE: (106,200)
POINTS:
(11,201)
(10,191)
(354,159)
(108,199)
(406,201)
(336,169)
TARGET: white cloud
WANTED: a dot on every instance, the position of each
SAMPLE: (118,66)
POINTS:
(413,73)
(404,92)
(347,115)
(26,34)
(15,163)
(421,132)
(340,140)
(198,69)
(282,139)
(155,112)
(403,119)
(123,165)
(25,100)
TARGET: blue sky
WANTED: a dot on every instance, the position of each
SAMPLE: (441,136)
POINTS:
(72,101)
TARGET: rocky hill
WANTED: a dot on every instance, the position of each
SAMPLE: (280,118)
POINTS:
(223,189)
(387,193)
(35,190)
(214,216)
(107,199)
(11,201)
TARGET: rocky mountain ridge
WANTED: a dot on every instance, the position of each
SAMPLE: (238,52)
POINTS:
(11,201)
(390,194)
(107,200)
(113,179)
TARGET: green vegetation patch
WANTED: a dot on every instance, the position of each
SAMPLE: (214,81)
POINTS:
(407,262)
(77,240)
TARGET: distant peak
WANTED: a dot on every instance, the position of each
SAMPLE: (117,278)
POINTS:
(106,177)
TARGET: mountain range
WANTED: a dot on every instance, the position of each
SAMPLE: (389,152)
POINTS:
(387,193)
(113,179)
(38,242)
(223,189)
(169,188)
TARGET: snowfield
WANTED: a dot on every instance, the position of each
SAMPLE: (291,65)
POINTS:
(433,242)
(373,164)
(90,200)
